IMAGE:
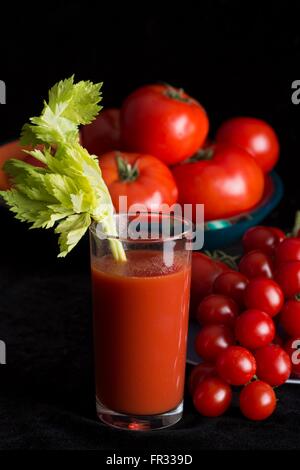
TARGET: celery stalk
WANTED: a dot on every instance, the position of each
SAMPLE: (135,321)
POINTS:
(68,192)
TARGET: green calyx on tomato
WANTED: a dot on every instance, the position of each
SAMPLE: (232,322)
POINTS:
(202,154)
(143,179)
(176,94)
(127,172)
(219,255)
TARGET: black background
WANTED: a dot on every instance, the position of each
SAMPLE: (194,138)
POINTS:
(236,59)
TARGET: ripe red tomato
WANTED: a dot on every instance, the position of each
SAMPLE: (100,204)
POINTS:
(212,397)
(142,178)
(217,309)
(288,277)
(288,250)
(103,134)
(261,238)
(279,233)
(7,151)
(254,329)
(33,161)
(290,317)
(273,365)
(292,347)
(204,272)
(163,121)
(212,340)
(199,373)
(236,365)
(264,294)
(257,400)
(253,135)
(256,264)
(232,284)
(227,183)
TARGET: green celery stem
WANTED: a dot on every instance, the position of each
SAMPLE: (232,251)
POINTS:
(116,246)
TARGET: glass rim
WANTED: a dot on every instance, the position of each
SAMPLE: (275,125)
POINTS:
(180,236)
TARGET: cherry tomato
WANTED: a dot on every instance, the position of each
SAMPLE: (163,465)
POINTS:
(273,365)
(212,340)
(279,233)
(232,284)
(257,400)
(212,397)
(199,373)
(142,178)
(163,121)
(236,365)
(290,317)
(288,277)
(288,250)
(254,329)
(256,264)
(253,135)
(260,238)
(204,272)
(225,179)
(103,134)
(292,347)
(218,310)
(264,294)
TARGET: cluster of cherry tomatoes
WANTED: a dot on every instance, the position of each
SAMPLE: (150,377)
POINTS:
(250,325)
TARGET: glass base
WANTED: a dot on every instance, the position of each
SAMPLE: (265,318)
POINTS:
(138,422)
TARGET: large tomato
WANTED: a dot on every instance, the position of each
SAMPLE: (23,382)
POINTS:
(227,181)
(163,121)
(7,151)
(253,135)
(142,178)
(103,134)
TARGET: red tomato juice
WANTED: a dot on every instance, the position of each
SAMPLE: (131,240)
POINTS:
(140,331)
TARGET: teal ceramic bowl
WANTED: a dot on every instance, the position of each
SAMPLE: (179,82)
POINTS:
(226,232)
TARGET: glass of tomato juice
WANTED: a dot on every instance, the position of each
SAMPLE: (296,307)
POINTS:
(140,320)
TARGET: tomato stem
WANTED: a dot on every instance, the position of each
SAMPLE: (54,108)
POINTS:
(127,172)
(176,94)
(219,255)
(202,154)
(296,227)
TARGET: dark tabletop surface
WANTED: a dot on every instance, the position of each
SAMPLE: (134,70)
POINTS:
(47,389)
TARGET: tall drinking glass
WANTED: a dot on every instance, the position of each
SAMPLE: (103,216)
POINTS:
(140,321)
